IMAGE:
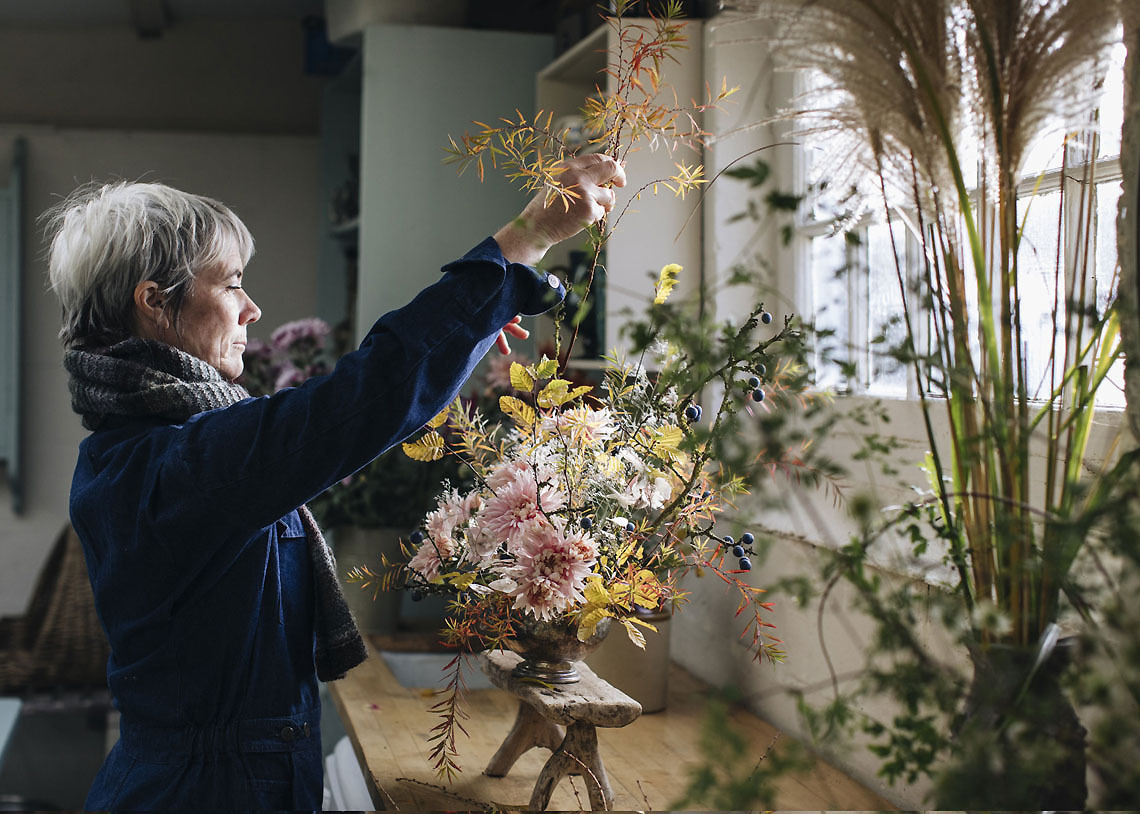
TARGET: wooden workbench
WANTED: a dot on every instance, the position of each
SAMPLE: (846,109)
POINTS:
(648,761)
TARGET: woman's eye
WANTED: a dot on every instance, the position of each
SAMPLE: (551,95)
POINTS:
(234,287)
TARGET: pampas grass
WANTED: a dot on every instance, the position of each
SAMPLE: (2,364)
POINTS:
(908,89)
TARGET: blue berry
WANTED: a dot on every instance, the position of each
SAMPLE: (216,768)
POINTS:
(728,539)
(765,317)
(761,368)
(706,494)
(417,537)
(738,551)
(630,527)
(417,595)
(586,523)
(700,412)
(692,413)
(757,394)
(745,564)
(754,382)
(747,539)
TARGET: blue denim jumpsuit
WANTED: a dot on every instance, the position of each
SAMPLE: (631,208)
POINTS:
(198,558)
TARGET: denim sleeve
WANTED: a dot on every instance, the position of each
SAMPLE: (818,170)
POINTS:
(246,465)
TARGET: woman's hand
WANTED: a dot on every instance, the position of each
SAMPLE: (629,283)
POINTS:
(541,225)
(514,329)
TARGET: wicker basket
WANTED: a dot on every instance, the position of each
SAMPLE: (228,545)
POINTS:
(59,642)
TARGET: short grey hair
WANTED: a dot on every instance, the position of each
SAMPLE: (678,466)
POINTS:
(106,238)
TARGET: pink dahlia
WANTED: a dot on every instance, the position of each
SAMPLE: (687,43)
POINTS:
(517,506)
(426,561)
(549,572)
(504,473)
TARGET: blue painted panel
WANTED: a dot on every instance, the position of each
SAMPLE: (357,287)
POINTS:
(11,256)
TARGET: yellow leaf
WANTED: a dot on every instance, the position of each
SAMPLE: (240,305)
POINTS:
(520,378)
(546,368)
(665,283)
(588,622)
(643,623)
(556,393)
(578,392)
(427,448)
(669,436)
(595,591)
(463,581)
(517,409)
(627,551)
(664,440)
(646,589)
(440,418)
(634,634)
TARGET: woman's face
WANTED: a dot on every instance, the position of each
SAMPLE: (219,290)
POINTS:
(212,322)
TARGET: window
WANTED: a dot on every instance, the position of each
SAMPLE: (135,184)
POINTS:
(854,290)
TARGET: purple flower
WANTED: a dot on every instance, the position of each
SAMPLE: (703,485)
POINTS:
(290,376)
(258,351)
(311,329)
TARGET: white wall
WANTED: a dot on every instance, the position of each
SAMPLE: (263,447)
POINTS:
(422,84)
(270,181)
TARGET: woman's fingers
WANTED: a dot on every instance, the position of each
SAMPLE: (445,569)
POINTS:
(598,169)
(549,220)
(514,329)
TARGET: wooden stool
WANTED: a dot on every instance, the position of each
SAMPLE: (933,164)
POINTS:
(543,712)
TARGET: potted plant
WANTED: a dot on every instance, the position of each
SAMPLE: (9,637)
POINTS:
(909,88)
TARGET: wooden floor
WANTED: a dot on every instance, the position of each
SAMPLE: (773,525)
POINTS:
(647,762)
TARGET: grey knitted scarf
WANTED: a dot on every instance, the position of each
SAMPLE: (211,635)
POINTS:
(142,378)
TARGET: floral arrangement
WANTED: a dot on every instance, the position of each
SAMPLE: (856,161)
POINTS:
(588,502)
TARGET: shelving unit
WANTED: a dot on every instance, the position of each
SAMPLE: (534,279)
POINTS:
(653,231)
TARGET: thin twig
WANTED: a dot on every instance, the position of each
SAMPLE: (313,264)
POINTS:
(435,787)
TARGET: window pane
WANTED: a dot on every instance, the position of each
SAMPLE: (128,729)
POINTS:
(1037,265)
(1111,392)
(1112,104)
(829,307)
(885,323)
(1044,154)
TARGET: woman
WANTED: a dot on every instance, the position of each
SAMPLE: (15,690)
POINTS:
(218,594)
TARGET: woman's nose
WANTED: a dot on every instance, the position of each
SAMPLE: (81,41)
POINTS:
(251,313)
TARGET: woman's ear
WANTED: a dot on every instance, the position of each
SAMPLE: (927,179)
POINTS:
(150,310)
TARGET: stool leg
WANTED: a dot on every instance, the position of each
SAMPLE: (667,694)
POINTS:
(578,754)
(530,730)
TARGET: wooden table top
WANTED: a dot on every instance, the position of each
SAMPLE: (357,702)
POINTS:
(648,761)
